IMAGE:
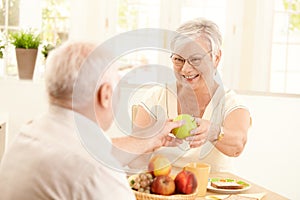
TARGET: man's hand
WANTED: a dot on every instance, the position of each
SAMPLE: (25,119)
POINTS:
(164,137)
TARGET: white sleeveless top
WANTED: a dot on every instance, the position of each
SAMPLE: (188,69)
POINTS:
(222,103)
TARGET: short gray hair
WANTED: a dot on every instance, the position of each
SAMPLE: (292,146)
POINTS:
(62,68)
(201,28)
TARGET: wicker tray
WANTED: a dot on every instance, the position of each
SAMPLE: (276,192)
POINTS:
(146,196)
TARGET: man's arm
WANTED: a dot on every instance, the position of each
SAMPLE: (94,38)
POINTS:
(144,141)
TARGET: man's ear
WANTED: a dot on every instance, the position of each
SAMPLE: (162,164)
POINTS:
(104,95)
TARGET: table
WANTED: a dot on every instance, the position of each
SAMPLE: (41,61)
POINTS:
(270,195)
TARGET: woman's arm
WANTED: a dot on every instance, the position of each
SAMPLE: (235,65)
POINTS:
(235,128)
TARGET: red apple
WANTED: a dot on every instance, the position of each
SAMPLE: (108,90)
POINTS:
(159,165)
(186,182)
(163,185)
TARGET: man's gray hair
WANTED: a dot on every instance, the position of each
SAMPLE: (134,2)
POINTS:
(62,69)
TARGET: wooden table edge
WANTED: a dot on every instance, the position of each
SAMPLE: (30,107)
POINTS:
(255,188)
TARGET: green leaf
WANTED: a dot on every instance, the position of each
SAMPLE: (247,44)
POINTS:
(132,182)
(293,7)
(214,179)
(25,39)
(242,183)
(229,180)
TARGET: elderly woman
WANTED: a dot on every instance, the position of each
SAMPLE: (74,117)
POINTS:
(222,119)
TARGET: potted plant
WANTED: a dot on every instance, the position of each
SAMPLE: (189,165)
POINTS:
(26,43)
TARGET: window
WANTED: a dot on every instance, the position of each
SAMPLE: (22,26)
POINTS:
(260,46)
(50,17)
(285,67)
(54,23)
(9,21)
(55,20)
(9,14)
(134,14)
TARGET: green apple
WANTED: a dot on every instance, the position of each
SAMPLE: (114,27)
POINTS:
(184,130)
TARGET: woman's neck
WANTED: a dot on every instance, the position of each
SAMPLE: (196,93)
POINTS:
(204,93)
(202,96)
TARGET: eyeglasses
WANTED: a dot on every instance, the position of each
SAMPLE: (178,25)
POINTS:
(194,60)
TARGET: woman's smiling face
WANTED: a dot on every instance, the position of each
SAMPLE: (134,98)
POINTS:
(192,63)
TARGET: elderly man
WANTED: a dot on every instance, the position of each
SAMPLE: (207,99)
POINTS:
(49,158)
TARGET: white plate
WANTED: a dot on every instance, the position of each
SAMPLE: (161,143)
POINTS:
(247,186)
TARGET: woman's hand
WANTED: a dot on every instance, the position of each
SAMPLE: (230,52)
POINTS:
(199,135)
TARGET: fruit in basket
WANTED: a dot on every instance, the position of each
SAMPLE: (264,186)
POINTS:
(184,130)
(142,182)
(159,165)
(186,182)
(163,185)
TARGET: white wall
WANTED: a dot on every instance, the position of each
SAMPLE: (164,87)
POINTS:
(21,101)
(271,156)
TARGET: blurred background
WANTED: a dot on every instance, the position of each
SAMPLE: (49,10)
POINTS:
(261,49)
(261,37)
